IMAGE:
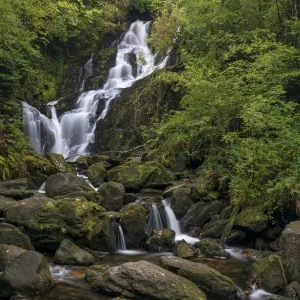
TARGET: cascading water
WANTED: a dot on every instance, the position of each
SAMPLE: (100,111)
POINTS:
(121,245)
(73,132)
(154,222)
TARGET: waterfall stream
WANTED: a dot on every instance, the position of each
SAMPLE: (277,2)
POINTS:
(154,222)
(73,132)
(121,244)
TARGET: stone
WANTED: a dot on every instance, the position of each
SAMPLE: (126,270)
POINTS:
(99,158)
(181,201)
(169,191)
(7,254)
(93,272)
(59,163)
(65,183)
(15,237)
(205,277)
(252,219)
(133,219)
(200,213)
(7,226)
(82,163)
(274,233)
(255,255)
(129,198)
(16,189)
(211,248)
(97,174)
(4,203)
(184,250)
(268,273)
(70,254)
(215,229)
(28,274)
(162,240)
(112,194)
(144,280)
(226,212)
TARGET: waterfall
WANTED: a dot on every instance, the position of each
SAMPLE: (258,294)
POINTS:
(154,222)
(73,132)
(121,245)
(42,188)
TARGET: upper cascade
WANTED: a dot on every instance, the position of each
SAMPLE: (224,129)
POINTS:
(73,132)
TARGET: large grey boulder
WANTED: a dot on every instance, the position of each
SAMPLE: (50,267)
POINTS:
(144,280)
(97,174)
(28,275)
(112,195)
(161,240)
(181,201)
(7,254)
(15,237)
(16,189)
(205,277)
(60,164)
(70,254)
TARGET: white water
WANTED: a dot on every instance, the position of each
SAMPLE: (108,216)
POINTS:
(236,253)
(259,294)
(87,180)
(173,223)
(154,222)
(73,132)
(42,188)
(121,245)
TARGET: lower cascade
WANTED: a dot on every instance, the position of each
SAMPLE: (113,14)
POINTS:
(73,132)
(121,244)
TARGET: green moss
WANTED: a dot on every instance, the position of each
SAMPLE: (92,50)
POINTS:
(49,92)
(97,173)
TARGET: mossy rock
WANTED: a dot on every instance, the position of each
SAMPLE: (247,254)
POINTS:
(184,250)
(161,241)
(252,218)
(181,201)
(60,164)
(112,195)
(97,174)
(215,229)
(211,248)
(82,163)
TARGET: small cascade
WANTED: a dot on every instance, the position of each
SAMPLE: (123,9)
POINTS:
(42,188)
(121,245)
(259,294)
(154,222)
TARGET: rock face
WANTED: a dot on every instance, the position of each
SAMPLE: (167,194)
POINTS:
(184,250)
(112,195)
(211,248)
(206,278)
(70,254)
(252,219)
(161,240)
(63,184)
(136,176)
(15,237)
(181,201)
(143,280)
(200,213)
(60,164)
(269,274)
(28,274)
(7,254)
(16,189)
(133,219)
(97,174)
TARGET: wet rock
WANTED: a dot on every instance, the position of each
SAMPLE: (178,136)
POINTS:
(205,277)
(161,241)
(226,212)
(181,201)
(211,248)
(215,229)
(82,163)
(200,213)
(70,254)
(4,203)
(7,254)
(16,189)
(269,274)
(252,219)
(129,198)
(184,250)
(255,255)
(97,174)
(15,237)
(93,272)
(28,274)
(65,183)
(133,219)
(236,237)
(169,191)
(144,280)
(60,164)
(112,194)
(274,233)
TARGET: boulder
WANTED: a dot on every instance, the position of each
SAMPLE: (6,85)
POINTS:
(82,163)
(7,226)
(15,189)
(59,163)
(144,280)
(92,196)
(268,274)
(112,195)
(226,212)
(70,254)
(215,229)
(28,275)
(136,176)
(15,237)
(4,203)
(93,272)
(184,250)
(65,183)
(211,248)
(161,241)
(252,219)
(97,174)
(200,213)
(98,158)
(205,277)
(133,219)
(168,193)
(7,254)
(255,255)
(129,198)
(181,201)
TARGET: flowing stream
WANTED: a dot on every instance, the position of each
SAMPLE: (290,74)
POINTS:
(73,132)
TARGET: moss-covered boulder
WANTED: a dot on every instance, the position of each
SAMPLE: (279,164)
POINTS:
(136,176)
(59,163)
(7,254)
(15,237)
(65,183)
(184,250)
(161,241)
(144,280)
(70,254)
(133,219)
(27,275)
(215,229)
(4,203)
(211,248)
(14,189)
(82,163)
(112,195)
(268,274)
(181,201)
(97,174)
(252,219)
(105,159)
(48,222)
